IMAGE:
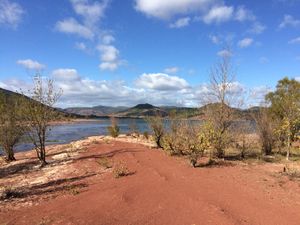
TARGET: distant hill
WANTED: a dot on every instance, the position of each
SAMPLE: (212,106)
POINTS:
(142,110)
(95,111)
(62,112)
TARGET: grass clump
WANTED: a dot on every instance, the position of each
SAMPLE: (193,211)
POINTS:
(121,170)
(292,173)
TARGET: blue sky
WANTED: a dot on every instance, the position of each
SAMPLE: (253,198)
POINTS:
(124,52)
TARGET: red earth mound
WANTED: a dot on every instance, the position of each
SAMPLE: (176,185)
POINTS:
(159,189)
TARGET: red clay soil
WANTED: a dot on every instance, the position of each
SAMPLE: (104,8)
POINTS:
(165,190)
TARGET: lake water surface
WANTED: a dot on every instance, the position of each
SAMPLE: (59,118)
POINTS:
(66,133)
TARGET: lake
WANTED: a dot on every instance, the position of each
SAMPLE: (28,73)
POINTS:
(66,133)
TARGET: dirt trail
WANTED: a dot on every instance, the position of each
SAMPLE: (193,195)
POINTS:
(166,190)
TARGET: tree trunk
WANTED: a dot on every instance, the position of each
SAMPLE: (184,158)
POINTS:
(10,156)
(288,148)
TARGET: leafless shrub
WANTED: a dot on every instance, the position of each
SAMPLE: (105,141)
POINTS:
(219,102)
(40,112)
(114,129)
(156,124)
(265,130)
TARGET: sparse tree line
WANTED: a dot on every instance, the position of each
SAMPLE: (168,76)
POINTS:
(277,123)
(29,118)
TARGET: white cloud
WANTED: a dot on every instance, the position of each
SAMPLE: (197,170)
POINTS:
(182,22)
(11,13)
(297,79)
(107,39)
(295,41)
(246,42)
(242,14)
(167,9)
(215,39)
(171,70)
(219,14)
(71,26)
(65,74)
(90,11)
(112,66)
(31,64)
(257,95)
(257,28)
(87,27)
(224,53)
(161,81)
(109,53)
(289,20)
(157,89)
(109,57)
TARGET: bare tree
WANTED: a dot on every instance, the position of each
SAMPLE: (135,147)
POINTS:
(11,124)
(40,112)
(219,102)
(265,129)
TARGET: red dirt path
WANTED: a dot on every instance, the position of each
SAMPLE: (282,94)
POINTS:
(166,190)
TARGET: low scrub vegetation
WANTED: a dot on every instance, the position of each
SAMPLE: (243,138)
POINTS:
(114,129)
(224,131)
(121,170)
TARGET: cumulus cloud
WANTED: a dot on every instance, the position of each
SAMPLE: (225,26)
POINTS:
(242,14)
(161,81)
(157,89)
(182,22)
(224,53)
(30,64)
(207,11)
(295,41)
(257,95)
(107,39)
(167,9)
(109,57)
(219,14)
(71,26)
(11,13)
(65,75)
(91,13)
(289,21)
(246,42)
(171,70)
